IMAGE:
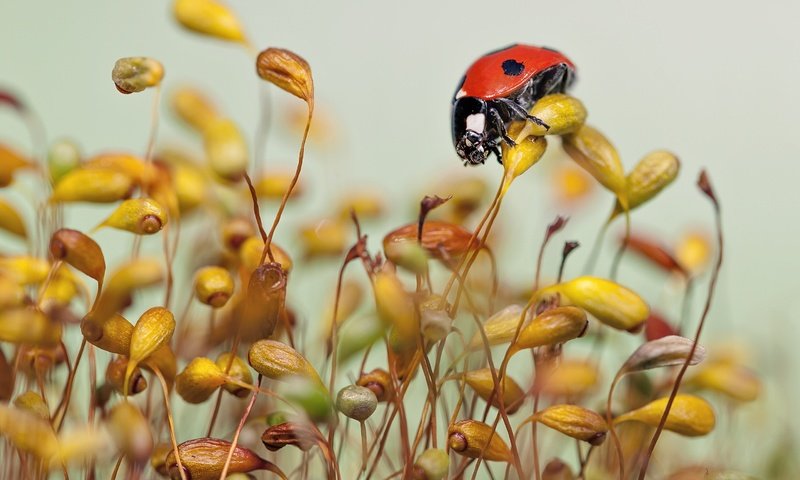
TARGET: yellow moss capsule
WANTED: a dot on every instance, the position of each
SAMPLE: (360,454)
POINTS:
(26,325)
(190,187)
(734,381)
(395,306)
(10,162)
(595,154)
(693,251)
(226,149)
(135,167)
(134,74)
(80,251)
(94,185)
(153,330)
(470,438)
(571,379)
(131,276)
(274,185)
(574,421)
(367,205)
(142,216)
(326,238)
(213,286)
(112,335)
(482,382)
(238,371)
(562,113)
(12,294)
(115,376)
(63,287)
(63,157)
(551,327)
(199,380)
(499,328)
(6,378)
(652,174)
(11,221)
(28,432)
(208,17)
(609,302)
(130,431)
(24,270)
(193,107)
(252,249)
(279,361)
(689,415)
(204,459)
(519,158)
(288,71)
(34,403)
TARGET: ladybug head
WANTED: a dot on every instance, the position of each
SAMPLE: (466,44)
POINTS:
(470,130)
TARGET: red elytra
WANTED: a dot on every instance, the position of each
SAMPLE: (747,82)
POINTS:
(501,73)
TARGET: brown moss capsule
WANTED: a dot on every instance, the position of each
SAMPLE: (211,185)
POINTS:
(213,286)
(288,71)
(6,376)
(199,380)
(574,421)
(208,17)
(557,325)
(238,370)
(474,439)
(296,434)
(444,241)
(279,361)
(358,403)
(380,382)
(134,74)
(29,326)
(80,251)
(193,107)
(94,185)
(557,470)
(595,154)
(153,330)
(483,383)
(655,253)
(11,221)
(226,149)
(264,301)
(689,415)
(130,431)
(204,459)
(115,376)
(432,464)
(142,216)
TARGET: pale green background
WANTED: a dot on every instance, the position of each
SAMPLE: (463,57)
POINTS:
(716,82)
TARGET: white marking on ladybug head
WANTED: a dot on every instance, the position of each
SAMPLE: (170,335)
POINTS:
(476,122)
(460,93)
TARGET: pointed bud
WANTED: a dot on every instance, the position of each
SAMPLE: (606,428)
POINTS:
(380,382)
(483,383)
(664,352)
(142,216)
(153,330)
(11,221)
(130,431)
(208,17)
(115,376)
(595,154)
(551,327)
(226,149)
(609,302)
(432,464)
(288,71)
(689,415)
(574,421)
(358,403)
(279,361)
(238,370)
(474,439)
(499,328)
(199,380)
(193,107)
(213,286)
(94,185)
(80,251)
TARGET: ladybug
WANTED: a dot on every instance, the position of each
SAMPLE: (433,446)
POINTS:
(500,87)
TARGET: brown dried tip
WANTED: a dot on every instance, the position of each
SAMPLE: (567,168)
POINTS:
(380,382)
(288,71)
(300,435)
(558,224)
(80,251)
(704,183)
(204,459)
(427,204)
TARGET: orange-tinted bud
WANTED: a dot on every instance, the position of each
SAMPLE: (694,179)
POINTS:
(279,361)
(11,221)
(199,380)
(444,241)
(142,216)
(80,251)
(474,439)
(238,370)
(288,71)
(574,421)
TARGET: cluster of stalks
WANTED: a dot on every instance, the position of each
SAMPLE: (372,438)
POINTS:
(424,367)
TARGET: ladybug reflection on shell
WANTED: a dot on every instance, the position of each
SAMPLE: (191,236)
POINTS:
(500,87)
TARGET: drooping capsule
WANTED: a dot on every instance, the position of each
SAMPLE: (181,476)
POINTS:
(80,251)
(134,74)
(474,439)
(288,71)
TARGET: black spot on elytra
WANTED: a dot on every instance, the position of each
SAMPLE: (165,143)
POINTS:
(512,67)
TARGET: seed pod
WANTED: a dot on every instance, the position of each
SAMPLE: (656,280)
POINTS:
(80,251)
(653,252)
(34,403)
(115,376)
(470,438)
(557,470)
(380,382)
(134,74)
(130,431)
(24,270)
(595,154)
(734,381)
(482,382)
(664,352)
(226,149)
(28,432)
(94,185)
(153,330)
(288,71)
(208,17)
(522,156)
(274,185)
(499,328)
(252,249)
(193,107)
(551,327)
(571,379)
(279,361)
(264,301)
(609,302)
(11,221)
(326,238)
(299,435)
(562,113)
(574,421)
(651,175)
(117,292)
(63,157)
(27,325)
(238,370)
(444,241)
(6,378)
(199,380)
(137,168)
(395,306)
(358,403)
(213,286)
(689,415)
(432,464)
(142,216)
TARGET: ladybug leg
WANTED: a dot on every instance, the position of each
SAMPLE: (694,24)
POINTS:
(497,153)
(500,126)
(518,110)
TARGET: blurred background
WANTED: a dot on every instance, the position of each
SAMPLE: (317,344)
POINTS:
(715,82)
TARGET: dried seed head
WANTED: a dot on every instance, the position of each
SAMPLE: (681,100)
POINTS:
(380,382)
(562,113)
(274,185)
(574,421)
(10,162)
(300,435)
(238,370)
(358,403)
(444,241)
(199,380)
(193,107)
(27,325)
(689,415)
(734,381)
(130,431)
(213,286)
(474,439)
(395,306)
(432,464)
(115,376)
(288,71)
(551,327)
(557,470)
(609,302)
(651,175)
(63,157)
(204,459)
(208,17)
(94,185)
(482,382)
(142,216)
(499,328)
(522,156)
(80,251)
(134,74)
(326,238)
(153,330)
(34,403)
(28,432)
(11,221)
(664,352)
(279,361)
(226,149)
(252,249)
(24,270)
(571,379)
(264,301)
(595,154)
